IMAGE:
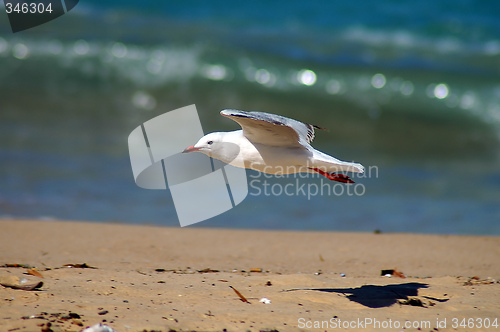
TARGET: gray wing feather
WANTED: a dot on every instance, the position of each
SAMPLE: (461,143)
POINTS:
(272,129)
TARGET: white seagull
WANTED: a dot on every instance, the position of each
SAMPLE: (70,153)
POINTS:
(272,144)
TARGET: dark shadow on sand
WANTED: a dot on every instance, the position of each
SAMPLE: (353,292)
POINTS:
(375,296)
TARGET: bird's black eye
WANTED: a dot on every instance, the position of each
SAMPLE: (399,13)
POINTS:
(210,142)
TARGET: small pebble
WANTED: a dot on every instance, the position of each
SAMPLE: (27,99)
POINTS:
(265,300)
(99,328)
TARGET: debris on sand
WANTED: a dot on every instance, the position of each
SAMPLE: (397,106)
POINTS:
(392,273)
(265,300)
(242,298)
(19,283)
(413,301)
(79,266)
(34,272)
(99,328)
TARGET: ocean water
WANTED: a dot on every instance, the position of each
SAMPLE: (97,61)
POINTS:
(410,90)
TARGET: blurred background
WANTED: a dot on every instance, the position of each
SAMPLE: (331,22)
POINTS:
(410,87)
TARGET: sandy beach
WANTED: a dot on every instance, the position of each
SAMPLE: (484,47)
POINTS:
(99,99)
(136,278)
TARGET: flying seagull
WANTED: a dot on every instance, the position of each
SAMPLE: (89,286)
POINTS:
(272,144)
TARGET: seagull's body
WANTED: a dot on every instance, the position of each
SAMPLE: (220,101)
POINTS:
(272,144)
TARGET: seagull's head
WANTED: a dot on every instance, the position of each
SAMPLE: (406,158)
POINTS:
(217,145)
(206,144)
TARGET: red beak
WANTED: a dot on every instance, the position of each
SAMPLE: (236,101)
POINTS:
(190,149)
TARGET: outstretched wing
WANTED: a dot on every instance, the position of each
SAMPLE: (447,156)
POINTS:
(272,129)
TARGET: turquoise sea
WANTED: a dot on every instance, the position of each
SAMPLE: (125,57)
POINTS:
(409,89)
